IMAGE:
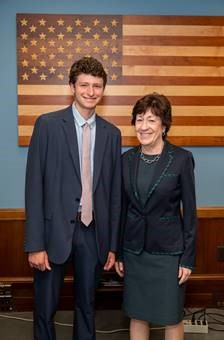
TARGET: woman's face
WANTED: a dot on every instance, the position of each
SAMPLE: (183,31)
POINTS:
(149,129)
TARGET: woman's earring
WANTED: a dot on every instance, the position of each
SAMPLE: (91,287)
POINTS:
(163,134)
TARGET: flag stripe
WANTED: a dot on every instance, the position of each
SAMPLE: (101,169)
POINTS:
(126,120)
(171,30)
(172,80)
(144,50)
(125,110)
(122,100)
(173,40)
(178,140)
(111,91)
(173,60)
(174,131)
(185,71)
(173,20)
(170,70)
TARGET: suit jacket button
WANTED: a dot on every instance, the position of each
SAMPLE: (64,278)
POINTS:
(72,221)
(77,199)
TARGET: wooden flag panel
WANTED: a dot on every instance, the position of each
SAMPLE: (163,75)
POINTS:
(181,57)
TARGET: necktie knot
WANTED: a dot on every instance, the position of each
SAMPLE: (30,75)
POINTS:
(85,126)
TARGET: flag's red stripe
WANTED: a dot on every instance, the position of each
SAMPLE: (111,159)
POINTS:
(163,80)
(173,40)
(44,100)
(173,60)
(126,120)
(184,141)
(173,20)
(121,100)
(153,80)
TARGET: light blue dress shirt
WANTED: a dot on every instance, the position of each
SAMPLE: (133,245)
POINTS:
(79,122)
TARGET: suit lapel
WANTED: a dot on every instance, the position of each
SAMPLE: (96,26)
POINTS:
(70,131)
(162,168)
(100,144)
(133,162)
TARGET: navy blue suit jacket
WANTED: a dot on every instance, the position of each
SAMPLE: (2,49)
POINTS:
(53,186)
(166,224)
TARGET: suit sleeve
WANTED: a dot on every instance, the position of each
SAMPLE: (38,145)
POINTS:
(115,195)
(34,226)
(124,205)
(189,212)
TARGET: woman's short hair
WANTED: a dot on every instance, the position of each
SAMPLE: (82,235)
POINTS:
(159,106)
(87,65)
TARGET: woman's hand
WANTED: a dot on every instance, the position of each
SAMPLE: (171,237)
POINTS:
(119,267)
(184,274)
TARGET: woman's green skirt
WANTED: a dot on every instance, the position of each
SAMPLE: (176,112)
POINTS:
(151,289)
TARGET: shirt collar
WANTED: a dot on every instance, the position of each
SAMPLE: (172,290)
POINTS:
(79,118)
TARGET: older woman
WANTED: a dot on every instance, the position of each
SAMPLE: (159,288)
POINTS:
(157,250)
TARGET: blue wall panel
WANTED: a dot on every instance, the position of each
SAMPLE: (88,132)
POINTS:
(209,160)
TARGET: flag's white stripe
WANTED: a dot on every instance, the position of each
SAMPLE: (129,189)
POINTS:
(173,30)
(169,71)
(125,110)
(126,90)
(175,51)
(174,131)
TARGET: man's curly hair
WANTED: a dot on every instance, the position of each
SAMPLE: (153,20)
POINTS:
(87,65)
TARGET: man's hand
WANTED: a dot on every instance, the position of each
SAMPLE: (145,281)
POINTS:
(110,261)
(39,260)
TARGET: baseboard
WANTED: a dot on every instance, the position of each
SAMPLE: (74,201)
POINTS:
(203,291)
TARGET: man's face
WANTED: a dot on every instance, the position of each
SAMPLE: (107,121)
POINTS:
(88,92)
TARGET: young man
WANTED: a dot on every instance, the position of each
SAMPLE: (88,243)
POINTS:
(72,215)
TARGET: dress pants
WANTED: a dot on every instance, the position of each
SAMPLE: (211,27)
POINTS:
(47,287)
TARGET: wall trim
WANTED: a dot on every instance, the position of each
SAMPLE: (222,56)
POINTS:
(12,214)
(69,279)
(202,212)
(202,291)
